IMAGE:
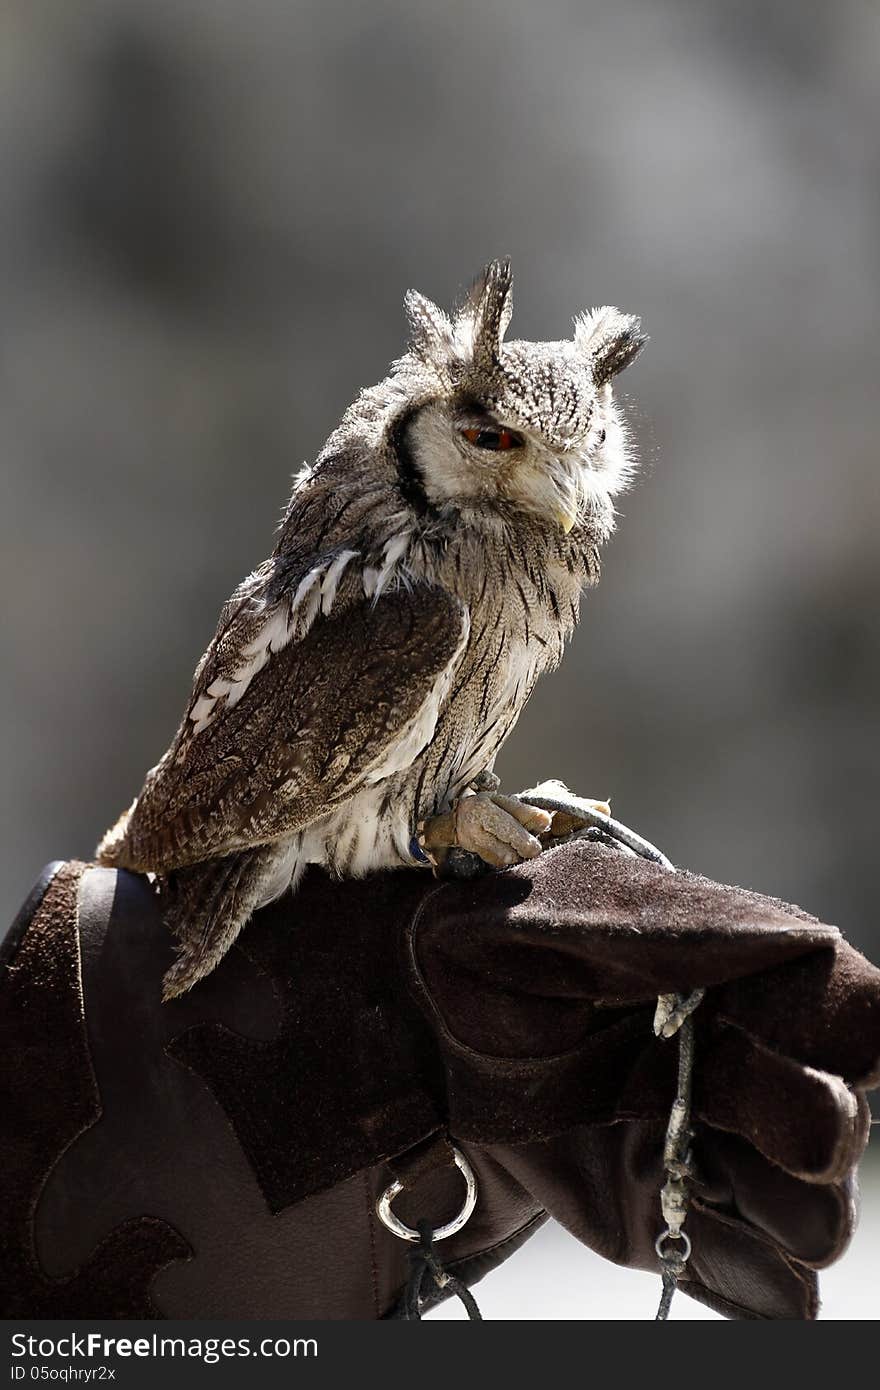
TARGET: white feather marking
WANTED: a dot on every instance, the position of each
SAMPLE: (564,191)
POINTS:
(202,713)
(279,627)
(236,689)
(394,550)
(305,602)
(309,610)
(331,579)
(273,635)
(315,593)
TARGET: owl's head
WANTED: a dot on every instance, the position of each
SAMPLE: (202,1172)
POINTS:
(515,427)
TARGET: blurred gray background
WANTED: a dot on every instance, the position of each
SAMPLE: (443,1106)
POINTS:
(210,212)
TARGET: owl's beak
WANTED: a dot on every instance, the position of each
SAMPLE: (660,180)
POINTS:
(566,517)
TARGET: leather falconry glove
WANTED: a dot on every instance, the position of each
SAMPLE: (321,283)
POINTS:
(222,1155)
(541,984)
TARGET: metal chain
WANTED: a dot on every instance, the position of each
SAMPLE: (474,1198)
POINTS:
(674,1014)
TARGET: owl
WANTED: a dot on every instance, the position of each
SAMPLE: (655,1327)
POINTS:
(361,681)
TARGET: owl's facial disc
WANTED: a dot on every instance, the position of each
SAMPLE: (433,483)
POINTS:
(469,458)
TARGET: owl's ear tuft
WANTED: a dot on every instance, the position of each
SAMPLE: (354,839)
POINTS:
(430,330)
(609,340)
(484,316)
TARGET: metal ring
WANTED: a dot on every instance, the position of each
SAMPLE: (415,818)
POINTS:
(684,1254)
(397,1228)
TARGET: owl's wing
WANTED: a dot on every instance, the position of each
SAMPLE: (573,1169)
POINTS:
(351,702)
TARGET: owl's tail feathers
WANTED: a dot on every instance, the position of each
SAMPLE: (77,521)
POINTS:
(206,907)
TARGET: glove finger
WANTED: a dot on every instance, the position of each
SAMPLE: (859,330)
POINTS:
(812,1223)
(823,1009)
(806,1121)
(602,1182)
(742,1274)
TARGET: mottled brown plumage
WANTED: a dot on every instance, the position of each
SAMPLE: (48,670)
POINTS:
(427,572)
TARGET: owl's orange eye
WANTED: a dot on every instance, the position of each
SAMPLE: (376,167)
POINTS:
(490,437)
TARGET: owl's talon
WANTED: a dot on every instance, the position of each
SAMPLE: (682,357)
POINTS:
(567,822)
(532,818)
(500,829)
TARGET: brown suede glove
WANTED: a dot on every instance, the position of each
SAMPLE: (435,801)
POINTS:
(541,983)
(221,1156)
